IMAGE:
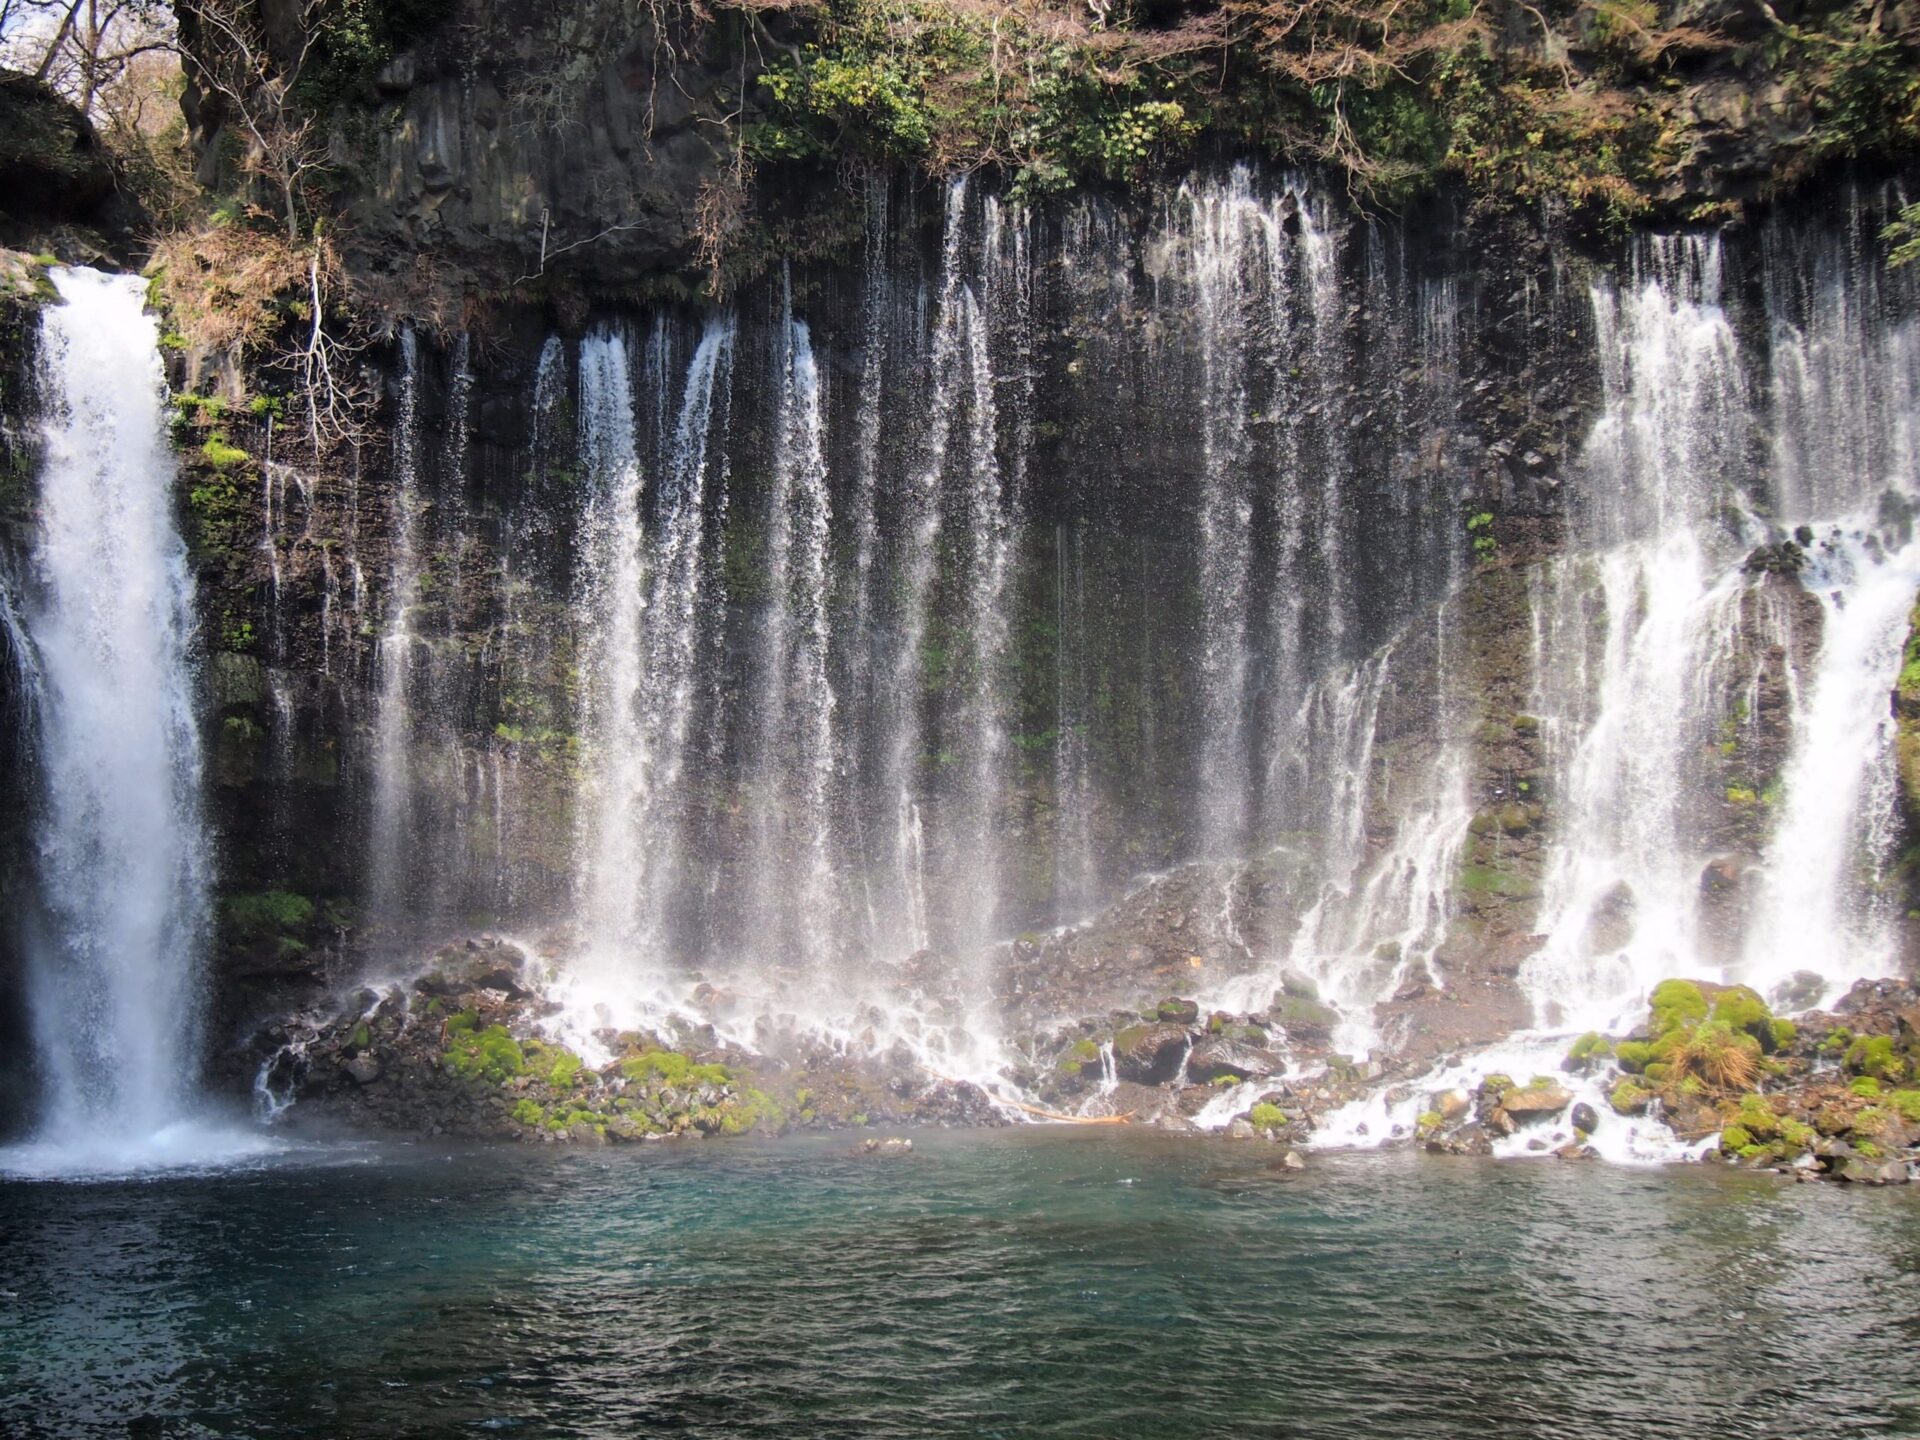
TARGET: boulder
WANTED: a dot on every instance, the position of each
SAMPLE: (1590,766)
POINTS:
(1212,1059)
(1535,1104)
(1585,1118)
(1858,1170)
(1467,1140)
(1451,1105)
(1175,1011)
(363,1068)
(1150,1054)
(889,1145)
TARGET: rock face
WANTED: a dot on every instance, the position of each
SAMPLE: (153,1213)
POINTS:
(54,171)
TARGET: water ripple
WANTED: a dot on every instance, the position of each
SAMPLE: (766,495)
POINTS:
(986,1285)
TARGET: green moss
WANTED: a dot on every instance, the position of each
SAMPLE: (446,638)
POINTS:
(361,1038)
(530,1112)
(1866,1087)
(1429,1122)
(1758,1116)
(1740,1008)
(1907,1104)
(1632,1055)
(1784,1034)
(268,913)
(1590,1046)
(1734,1138)
(1077,1056)
(1267,1116)
(220,453)
(491,1055)
(1675,1003)
(564,1069)
(1876,1056)
(1628,1098)
(672,1068)
(1484,880)
(463,1023)
(1872,1121)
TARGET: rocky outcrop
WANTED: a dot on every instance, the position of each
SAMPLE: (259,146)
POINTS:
(467,1048)
(57,180)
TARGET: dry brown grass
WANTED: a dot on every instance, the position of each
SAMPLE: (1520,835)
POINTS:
(223,284)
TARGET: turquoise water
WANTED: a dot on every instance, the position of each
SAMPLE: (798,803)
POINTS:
(1022,1283)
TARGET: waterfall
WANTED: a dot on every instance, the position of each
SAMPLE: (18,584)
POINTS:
(919,519)
(1656,652)
(640,610)
(796,743)
(388,870)
(122,863)
(1234,242)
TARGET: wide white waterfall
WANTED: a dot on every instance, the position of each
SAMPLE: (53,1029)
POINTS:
(1656,651)
(115,949)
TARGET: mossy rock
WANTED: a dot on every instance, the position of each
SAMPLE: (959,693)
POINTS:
(1629,1099)
(1878,1057)
(491,1055)
(1676,1003)
(1740,1008)
(1632,1055)
(1267,1116)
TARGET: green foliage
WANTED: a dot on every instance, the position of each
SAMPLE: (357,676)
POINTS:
(355,38)
(464,1023)
(1866,1087)
(1267,1116)
(1906,1103)
(1903,235)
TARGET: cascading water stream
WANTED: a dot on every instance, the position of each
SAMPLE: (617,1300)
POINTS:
(115,953)
(797,752)
(392,751)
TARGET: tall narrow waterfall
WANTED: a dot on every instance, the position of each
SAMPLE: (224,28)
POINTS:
(389,862)
(123,866)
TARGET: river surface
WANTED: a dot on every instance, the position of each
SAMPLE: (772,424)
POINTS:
(1021,1283)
